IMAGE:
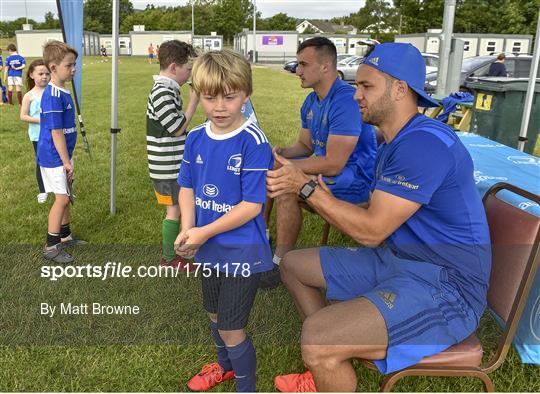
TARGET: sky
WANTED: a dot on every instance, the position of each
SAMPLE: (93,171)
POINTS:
(312,9)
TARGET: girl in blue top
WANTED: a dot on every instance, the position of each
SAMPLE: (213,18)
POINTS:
(37,78)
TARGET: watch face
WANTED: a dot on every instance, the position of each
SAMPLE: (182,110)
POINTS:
(305,189)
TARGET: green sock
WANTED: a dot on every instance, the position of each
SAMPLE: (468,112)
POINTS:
(169,231)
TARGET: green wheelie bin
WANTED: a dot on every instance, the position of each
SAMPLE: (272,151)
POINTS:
(498,108)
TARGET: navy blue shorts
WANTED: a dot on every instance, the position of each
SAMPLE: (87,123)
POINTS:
(230,297)
(424,313)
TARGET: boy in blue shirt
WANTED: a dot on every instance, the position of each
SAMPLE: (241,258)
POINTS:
(58,135)
(14,66)
(223,190)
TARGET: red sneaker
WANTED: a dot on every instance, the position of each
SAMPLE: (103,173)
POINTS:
(179,263)
(296,383)
(210,375)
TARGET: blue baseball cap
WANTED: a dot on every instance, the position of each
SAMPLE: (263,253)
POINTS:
(404,62)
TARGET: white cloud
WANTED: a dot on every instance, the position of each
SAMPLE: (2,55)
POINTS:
(322,9)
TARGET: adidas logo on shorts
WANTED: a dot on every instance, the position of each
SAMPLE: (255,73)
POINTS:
(388,298)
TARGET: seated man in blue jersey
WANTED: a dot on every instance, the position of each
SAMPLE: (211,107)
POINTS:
(332,141)
(421,285)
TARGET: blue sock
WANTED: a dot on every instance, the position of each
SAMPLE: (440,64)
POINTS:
(244,362)
(222,354)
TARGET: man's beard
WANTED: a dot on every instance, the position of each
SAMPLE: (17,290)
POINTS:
(379,111)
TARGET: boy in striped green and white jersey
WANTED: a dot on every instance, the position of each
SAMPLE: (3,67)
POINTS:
(166,127)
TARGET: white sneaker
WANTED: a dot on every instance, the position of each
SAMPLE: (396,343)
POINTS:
(42,197)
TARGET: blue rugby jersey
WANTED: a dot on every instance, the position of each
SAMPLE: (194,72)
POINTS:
(57,112)
(338,114)
(15,61)
(427,163)
(223,170)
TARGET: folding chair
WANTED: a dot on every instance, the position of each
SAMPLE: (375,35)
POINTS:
(515,238)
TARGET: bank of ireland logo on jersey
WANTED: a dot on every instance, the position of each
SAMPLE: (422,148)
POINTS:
(210,190)
(235,163)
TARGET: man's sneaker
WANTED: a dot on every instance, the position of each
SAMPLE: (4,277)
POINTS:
(42,198)
(210,375)
(296,383)
(270,279)
(178,262)
(70,241)
(57,254)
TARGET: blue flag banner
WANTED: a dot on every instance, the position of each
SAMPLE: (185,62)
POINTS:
(249,112)
(71,13)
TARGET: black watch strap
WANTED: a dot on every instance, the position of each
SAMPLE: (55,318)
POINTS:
(307,190)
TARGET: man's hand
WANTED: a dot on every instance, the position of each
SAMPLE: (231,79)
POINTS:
(188,242)
(286,179)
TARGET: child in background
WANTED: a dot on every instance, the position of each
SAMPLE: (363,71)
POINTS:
(223,191)
(13,73)
(2,88)
(150,53)
(166,126)
(57,138)
(37,78)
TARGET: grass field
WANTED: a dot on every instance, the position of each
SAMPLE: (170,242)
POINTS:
(162,347)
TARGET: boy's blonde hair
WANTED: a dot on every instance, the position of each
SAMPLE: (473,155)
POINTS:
(222,72)
(55,51)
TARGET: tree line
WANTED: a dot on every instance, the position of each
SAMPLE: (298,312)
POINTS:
(381,18)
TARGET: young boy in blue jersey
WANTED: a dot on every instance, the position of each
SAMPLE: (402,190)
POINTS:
(13,75)
(58,135)
(222,180)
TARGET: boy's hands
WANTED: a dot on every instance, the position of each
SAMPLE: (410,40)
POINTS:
(68,168)
(189,241)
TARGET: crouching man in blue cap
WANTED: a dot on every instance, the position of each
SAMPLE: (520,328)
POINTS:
(419,286)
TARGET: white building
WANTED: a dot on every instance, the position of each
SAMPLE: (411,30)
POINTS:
(213,42)
(321,26)
(30,42)
(345,43)
(141,40)
(124,43)
(474,44)
(271,46)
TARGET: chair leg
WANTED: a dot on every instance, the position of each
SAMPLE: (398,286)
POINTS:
(326,232)
(488,383)
(390,380)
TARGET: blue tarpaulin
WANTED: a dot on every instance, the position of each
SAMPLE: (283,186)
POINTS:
(493,163)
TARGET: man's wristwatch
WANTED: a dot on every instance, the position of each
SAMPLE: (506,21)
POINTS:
(307,190)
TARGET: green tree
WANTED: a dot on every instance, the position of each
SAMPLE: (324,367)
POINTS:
(8,28)
(279,21)
(98,14)
(519,17)
(50,22)
(231,16)
(478,16)
(417,16)
(376,17)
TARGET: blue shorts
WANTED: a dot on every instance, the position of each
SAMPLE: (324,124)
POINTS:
(424,313)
